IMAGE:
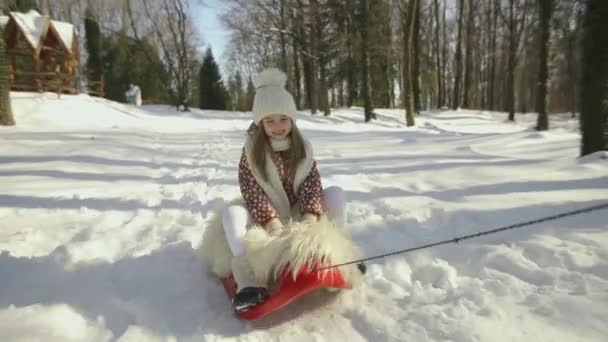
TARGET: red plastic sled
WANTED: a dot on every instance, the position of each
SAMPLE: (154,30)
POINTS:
(289,289)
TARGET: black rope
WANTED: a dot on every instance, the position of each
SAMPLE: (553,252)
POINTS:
(471,236)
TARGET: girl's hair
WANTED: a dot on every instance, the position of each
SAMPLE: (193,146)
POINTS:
(293,155)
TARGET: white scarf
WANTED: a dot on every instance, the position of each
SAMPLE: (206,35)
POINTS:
(280,145)
(273,187)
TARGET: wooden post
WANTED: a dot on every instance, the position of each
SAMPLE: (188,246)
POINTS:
(37,80)
(11,69)
(101,87)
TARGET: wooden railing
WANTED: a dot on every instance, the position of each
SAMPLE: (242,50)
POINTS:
(96,88)
(42,81)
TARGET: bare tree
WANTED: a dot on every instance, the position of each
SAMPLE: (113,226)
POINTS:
(172,28)
(464,53)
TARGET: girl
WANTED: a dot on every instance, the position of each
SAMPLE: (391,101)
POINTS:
(279,182)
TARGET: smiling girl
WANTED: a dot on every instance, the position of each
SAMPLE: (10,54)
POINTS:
(279,182)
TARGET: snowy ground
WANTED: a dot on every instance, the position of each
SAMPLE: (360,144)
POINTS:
(102,207)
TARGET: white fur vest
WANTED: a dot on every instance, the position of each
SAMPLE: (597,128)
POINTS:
(273,187)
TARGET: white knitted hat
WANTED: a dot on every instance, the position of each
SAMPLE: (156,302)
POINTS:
(271,97)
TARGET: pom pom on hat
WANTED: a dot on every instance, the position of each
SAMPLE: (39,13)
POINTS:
(271,97)
(270,77)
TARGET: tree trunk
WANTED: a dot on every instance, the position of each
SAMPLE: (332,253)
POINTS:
(468,55)
(458,58)
(341,100)
(408,64)
(546,8)
(320,53)
(511,64)
(306,61)
(297,82)
(323,88)
(416,56)
(124,21)
(444,54)
(594,90)
(438,57)
(283,41)
(365,87)
(572,82)
(351,86)
(387,75)
(491,55)
(314,51)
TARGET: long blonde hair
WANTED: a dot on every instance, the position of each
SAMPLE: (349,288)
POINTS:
(293,156)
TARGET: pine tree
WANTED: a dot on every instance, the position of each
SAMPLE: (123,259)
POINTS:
(232,93)
(236,93)
(250,95)
(212,91)
(93,46)
(6,112)
(23,5)
(126,62)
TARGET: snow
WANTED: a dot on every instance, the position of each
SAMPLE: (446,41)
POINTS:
(32,24)
(102,207)
(65,32)
(3,21)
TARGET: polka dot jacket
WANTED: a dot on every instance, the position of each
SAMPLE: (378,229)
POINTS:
(309,196)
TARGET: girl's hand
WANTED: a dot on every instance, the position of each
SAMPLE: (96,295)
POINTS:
(274,227)
(309,218)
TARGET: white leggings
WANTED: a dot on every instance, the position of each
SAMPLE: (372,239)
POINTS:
(236,218)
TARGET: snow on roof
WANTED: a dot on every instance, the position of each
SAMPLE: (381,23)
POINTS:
(32,24)
(3,20)
(65,32)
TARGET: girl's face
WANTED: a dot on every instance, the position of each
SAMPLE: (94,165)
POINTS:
(277,126)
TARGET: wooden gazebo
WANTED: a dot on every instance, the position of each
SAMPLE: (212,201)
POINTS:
(43,54)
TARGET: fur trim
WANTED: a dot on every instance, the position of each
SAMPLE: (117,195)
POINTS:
(323,241)
(214,248)
(270,77)
(269,255)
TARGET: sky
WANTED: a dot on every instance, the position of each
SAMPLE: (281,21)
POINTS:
(207,20)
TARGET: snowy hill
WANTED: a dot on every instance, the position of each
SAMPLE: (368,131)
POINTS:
(102,207)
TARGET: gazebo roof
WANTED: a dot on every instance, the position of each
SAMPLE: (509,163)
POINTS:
(34,25)
(65,32)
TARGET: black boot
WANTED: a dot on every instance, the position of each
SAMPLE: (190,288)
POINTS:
(249,297)
(362,268)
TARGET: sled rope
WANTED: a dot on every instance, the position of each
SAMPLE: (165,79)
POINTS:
(471,236)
